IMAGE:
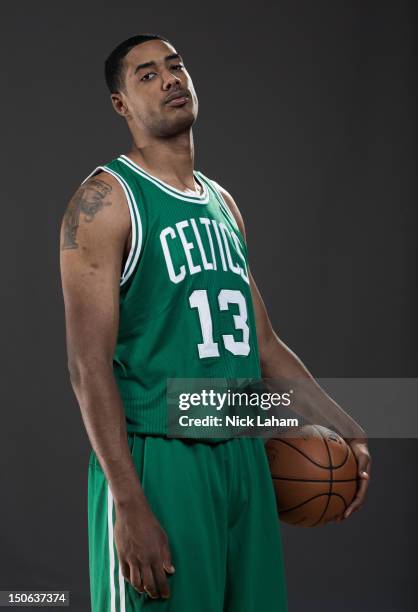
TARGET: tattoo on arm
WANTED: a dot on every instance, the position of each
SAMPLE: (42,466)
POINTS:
(89,199)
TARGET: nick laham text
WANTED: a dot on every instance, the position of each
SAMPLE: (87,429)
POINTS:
(235,421)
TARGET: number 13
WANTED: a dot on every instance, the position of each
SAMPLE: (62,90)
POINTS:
(208,348)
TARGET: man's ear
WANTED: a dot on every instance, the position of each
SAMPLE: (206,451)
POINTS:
(119,104)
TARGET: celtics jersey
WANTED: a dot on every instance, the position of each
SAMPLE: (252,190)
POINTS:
(185,308)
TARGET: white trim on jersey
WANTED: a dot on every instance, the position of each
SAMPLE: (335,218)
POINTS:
(121,590)
(121,579)
(202,199)
(136,238)
(111,550)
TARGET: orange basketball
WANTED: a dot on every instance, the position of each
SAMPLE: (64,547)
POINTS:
(314,474)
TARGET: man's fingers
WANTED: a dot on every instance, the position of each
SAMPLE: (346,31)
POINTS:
(148,581)
(135,578)
(125,569)
(169,568)
(160,580)
(167,564)
(166,557)
(359,498)
(364,465)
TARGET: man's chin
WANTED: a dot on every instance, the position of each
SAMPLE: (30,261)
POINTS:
(182,122)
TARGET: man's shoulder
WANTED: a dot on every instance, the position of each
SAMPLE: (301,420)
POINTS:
(101,178)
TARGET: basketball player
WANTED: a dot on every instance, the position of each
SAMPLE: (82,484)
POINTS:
(156,285)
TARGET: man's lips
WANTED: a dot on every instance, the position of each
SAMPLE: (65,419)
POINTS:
(178,99)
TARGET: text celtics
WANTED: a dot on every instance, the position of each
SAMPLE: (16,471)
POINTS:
(199,251)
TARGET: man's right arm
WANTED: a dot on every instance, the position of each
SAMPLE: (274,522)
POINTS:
(93,235)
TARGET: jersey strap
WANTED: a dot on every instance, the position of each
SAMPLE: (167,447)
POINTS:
(136,225)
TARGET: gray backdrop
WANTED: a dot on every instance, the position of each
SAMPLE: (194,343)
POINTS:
(308,116)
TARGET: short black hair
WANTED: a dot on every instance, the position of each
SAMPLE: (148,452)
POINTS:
(114,63)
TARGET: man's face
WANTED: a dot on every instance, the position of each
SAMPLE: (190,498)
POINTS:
(159,92)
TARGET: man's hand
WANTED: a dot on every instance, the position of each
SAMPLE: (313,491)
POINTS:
(143,551)
(364,461)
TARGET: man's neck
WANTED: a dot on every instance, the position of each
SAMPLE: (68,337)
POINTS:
(171,160)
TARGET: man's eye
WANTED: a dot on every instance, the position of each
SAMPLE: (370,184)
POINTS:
(148,76)
(177,67)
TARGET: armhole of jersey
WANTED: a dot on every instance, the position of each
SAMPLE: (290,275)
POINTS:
(136,225)
(224,205)
(226,209)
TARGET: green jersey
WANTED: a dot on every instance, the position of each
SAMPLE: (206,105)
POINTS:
(185,307)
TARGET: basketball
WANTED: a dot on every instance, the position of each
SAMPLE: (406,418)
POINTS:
(314,474)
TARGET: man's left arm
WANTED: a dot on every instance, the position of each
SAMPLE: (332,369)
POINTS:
(278,361)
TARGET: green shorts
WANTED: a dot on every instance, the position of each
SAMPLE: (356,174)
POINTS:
(216,503)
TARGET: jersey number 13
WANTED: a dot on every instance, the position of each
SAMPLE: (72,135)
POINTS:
(209,348)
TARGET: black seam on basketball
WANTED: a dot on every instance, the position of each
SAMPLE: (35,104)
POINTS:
(324,467)
(327,467)
(306,501)
(343,499)
(330,481)
(347,454)
(314,497)
(345,458)
(314,524)
(326,446)
(303,518)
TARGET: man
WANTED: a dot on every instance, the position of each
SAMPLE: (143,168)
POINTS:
(156,286)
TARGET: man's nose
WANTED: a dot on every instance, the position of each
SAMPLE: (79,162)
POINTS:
(169,79)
